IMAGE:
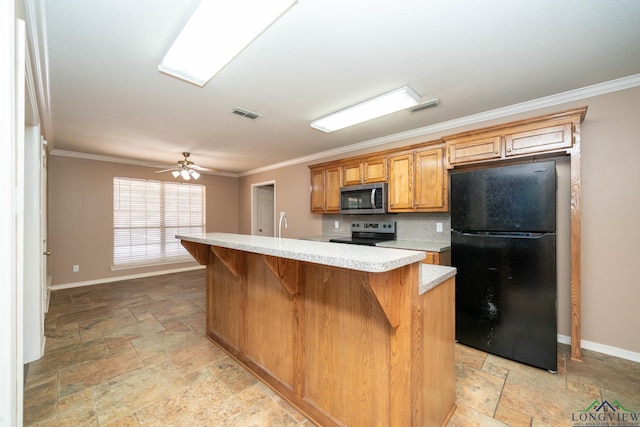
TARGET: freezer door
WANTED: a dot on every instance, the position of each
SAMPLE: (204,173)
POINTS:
(507,198)
(506,295)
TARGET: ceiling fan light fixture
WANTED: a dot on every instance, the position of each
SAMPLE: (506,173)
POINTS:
(185,174)
(387,103)
(216,33)
(175,174)
(194,174)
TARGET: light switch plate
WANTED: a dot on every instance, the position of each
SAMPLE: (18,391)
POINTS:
(439,227)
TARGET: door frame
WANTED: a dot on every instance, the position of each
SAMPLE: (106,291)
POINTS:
(254,207)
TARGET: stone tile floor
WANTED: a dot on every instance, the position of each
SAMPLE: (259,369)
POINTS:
(133,353)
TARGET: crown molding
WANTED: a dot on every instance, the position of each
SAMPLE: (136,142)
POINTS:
(498,113)
(121,160)
(39,58)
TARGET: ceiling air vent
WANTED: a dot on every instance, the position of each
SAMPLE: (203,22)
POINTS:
(425,105)
(246,113)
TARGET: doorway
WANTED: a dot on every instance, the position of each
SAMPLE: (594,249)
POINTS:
(263,209)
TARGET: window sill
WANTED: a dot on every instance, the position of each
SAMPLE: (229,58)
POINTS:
(152,263)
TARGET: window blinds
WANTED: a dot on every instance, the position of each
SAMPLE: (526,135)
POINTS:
(148,214)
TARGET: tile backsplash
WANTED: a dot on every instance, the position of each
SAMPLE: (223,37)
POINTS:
(409,226)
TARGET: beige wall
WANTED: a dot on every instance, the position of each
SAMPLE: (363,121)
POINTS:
(292,197)
(81,216)
(610,214)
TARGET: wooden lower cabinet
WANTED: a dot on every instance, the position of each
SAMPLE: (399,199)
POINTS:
(438,258)
(332,342)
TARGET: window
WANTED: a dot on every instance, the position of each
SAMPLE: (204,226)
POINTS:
(148,214)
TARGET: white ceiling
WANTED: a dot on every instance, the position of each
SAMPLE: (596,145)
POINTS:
(107,97)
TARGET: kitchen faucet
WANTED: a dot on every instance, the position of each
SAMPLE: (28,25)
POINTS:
(283,216)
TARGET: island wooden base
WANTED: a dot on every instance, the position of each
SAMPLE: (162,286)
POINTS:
(345,347)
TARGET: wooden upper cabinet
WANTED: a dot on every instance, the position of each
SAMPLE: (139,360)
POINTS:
(431,183)
(553,133)
(325,189)
(474,149)
(317,190)
(535,139)
(332,189)
(375,170)
(365,171)
(352,173)
(418,182)
(401,183)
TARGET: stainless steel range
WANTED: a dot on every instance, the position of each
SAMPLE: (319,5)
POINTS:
(369,233)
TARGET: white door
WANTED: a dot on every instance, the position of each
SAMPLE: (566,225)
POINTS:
(263,208)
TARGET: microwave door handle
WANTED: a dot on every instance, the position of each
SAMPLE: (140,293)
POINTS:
(373,197)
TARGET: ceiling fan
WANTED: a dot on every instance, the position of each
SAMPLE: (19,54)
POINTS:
(185,168)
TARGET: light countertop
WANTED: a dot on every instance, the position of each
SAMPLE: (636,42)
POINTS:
(396,244)
(432,275)
(416,246)
(362,258)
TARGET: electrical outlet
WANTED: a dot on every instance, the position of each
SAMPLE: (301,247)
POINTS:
(337,224)
(439,227)
(76,268)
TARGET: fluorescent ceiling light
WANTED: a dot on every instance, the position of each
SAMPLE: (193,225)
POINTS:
(216,33)
(390,102)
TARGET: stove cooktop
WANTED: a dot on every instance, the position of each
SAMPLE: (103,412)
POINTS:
(368,233)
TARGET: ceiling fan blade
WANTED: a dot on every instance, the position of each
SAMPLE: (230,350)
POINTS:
(166,170)
(200,168)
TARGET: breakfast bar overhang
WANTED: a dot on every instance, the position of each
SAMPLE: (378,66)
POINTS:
(351,336)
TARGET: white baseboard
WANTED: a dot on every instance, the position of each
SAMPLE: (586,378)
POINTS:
(121,278)
(603,348)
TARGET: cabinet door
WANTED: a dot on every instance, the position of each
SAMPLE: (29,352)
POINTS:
(401,183)
(541,139)
(431,258)
(352,174)
(431,192)
(481,148)
(332,189)
(317,190)
(438,258)
(375,170)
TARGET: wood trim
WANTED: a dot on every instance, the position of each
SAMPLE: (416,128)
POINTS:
(403,405)
(386,288)
(576,280)
(234,260)
(199,251)
(287,271)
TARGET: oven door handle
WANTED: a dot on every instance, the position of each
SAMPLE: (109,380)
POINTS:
(373,198)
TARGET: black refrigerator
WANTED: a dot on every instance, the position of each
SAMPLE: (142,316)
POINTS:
(503,244)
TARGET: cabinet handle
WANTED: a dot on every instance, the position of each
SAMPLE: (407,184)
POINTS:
(509,150)
(495,152)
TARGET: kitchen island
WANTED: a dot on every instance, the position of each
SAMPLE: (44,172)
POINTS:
(350,335)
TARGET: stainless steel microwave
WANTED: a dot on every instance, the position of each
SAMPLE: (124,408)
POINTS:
(364,199)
